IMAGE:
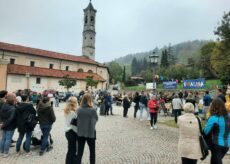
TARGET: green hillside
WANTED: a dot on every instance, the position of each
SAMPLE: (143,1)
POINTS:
(182,51)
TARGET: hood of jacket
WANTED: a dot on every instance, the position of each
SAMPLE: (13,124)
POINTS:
(6,107)
(44,106)
(23,106)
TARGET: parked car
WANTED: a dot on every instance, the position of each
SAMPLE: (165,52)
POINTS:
(61,96)
(67,96)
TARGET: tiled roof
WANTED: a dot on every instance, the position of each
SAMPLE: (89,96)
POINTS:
(44,53)
(37,71)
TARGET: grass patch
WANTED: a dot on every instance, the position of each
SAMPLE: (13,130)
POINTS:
(135,88)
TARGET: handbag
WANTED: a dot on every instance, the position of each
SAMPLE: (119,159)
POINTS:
(203,145)
(74,122)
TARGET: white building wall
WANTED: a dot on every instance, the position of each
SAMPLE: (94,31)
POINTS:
(16,82)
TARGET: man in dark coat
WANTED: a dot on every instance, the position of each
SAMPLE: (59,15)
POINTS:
(23,111)
(126,106)
(108,104)
(8,124)
(136,100)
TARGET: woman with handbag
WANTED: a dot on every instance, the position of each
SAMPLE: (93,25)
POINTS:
(217,131)
(189,145)
(71,130)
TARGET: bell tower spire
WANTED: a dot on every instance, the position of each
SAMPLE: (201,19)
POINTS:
(89,32)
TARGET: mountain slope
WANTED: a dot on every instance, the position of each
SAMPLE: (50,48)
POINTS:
(182,51)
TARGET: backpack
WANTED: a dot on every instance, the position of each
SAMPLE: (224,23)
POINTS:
(31,121)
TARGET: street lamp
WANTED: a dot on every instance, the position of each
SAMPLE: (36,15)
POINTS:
(154,61)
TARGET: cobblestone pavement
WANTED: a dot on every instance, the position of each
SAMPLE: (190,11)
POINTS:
(119,141)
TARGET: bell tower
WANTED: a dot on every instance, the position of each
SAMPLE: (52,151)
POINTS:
(89,33)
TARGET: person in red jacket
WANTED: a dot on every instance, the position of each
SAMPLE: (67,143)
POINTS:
(153,106)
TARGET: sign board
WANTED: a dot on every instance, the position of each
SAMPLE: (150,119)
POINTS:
(151,86)
(194,84)
(169,84)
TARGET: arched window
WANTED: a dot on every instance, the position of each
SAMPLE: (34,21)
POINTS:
(80,70)
(86,19)
(91,19)
(90,71)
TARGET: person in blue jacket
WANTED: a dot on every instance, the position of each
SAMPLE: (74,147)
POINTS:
(218,126)
(207,101)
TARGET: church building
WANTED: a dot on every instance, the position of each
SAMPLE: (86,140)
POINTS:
(24,67)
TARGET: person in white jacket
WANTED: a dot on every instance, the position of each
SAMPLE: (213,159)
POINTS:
(177,105)
(71,130)
(189,146)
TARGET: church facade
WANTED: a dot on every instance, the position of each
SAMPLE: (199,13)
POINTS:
(38,70)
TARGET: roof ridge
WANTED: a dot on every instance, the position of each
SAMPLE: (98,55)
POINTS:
(45,53)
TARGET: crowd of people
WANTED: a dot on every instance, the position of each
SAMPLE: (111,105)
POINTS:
(80,113)
(17,112)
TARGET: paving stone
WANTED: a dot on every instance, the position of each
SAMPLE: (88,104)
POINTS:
(119,141)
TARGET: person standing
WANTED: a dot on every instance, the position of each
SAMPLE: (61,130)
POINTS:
(71,130)
(189,145)
(46,118)
(220,95)
(23,111)
(207,101)
(51,98)
(3,95)
(56,95)
(192,100)
(126,106)
(8,124)
(153,106)
(136,100)
(177,106)
(217,129)
(86,123)
(143,105)
(108,103)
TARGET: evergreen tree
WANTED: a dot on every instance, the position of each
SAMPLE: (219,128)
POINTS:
(134,66)
(124,75)
(171,56)
(164,59)
(145,64)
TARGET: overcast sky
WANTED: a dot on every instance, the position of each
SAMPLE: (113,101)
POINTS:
(122,26)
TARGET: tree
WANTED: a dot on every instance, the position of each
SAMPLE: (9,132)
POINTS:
(221,54)
(191,62)
(145,64)
(171,56)
(90,82)
(223,31)
(205,62)
(134,66)
(115,72)
(67,82)
(124,76)
(164,59)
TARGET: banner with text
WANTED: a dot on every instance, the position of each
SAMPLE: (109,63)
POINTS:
(194,84)
(169,84)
